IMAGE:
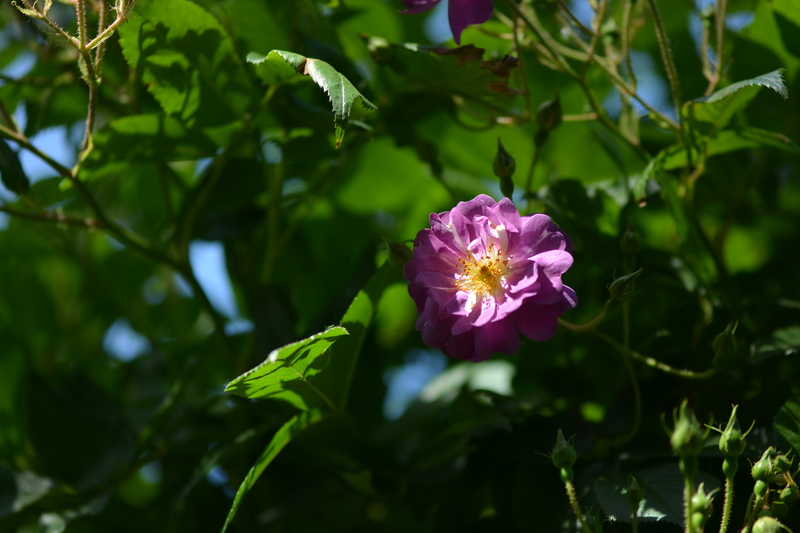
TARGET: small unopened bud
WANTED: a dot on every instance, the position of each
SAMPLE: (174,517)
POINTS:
(549,114)
(688,437)
(399,254)
(731,442)
(630,242)
(725,346)
(504,167)
(781,464)
(702,503)
(762,469)
(635,494)
(767,524)
(624,289)
(790,494)
(563,454)
(504,164)
(760,488)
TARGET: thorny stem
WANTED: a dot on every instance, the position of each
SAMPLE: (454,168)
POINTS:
(80,17)
(719,19)
(666,57)
(573,503)
(753,514)
(727,505)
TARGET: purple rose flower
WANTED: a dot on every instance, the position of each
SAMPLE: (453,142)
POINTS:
(461,13)
(482,273)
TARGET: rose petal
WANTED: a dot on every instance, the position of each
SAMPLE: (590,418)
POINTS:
(501,336)
(462,13)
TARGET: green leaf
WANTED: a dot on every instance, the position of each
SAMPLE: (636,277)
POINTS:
(144,137)
(712,113)
(287,373)
(787,424)
(275,67)
(663,494)
(341,93)
(338,376)
(785,341)
(458,71)
(188,62)
(279,441)
(11,172)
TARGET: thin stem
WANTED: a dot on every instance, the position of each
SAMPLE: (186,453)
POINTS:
(688,493)
(101,25)
(52,217)
(727,505)
(719,19)
(565,8)
(522,71)
(80,17)
(753,514)
(9,120)
(20,138)
(597,23)
(637,393)
(649,361)
(573,503)
(626,40)
(532,168)
(666,57)
(593,323)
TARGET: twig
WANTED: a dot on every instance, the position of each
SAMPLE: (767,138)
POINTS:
(653,363)
(666,57)
(719,19)
(51,217)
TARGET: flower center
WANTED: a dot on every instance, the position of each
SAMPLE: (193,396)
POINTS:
(485,274)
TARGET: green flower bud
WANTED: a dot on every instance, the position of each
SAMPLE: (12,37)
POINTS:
(688,437)
(760,489)
(731,442)
(702,504)
(549,114)
(635,494)
(790,494)
(781,464)
(563,454)
(725,347)
(762,469)
(504,164)
(399,254)
(630,242)
(767,524)
(624,289)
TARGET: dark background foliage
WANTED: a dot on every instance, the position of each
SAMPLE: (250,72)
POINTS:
(197,142)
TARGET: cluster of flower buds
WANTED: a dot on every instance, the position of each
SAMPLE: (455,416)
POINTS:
(773,504)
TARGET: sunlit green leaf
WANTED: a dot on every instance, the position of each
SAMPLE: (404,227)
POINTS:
(341,92)
(188,61)
(712,113)
(287,373)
